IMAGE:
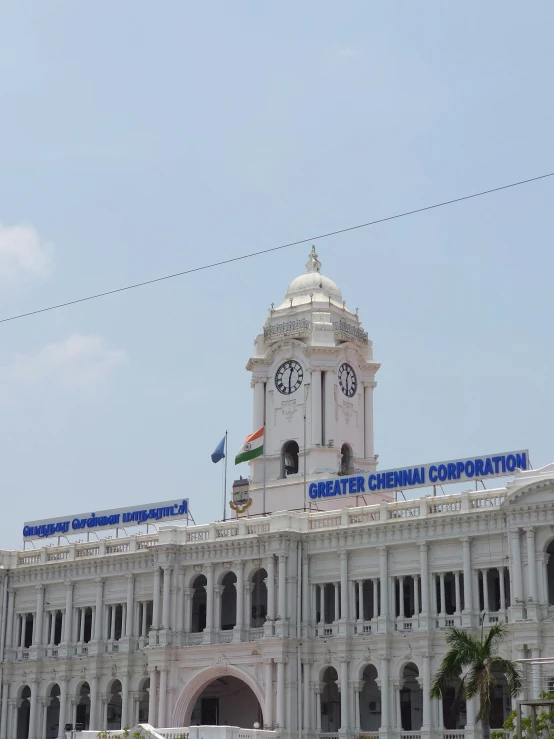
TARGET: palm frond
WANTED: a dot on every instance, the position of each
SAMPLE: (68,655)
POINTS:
(449,669)
(511,672)
(486,684)
(465,645)
(497,632)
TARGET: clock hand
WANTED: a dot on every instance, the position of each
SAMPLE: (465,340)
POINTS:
(290,380)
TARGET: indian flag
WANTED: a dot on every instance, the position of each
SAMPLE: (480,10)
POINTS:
(253,447)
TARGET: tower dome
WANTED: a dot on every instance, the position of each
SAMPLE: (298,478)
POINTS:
(311,285)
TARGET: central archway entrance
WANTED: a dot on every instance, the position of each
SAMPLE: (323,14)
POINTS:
(227,701)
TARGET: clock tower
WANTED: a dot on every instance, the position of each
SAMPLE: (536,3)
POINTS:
(313,377)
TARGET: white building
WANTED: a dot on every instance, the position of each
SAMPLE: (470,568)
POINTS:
(328,622)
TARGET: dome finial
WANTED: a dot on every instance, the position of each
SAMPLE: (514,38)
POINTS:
(313,264)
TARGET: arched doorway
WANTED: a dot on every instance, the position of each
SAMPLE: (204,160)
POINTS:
(259,599)
(82,715)
(53,713)
(370,701)
(453,711)
(227,701)
(23,713)
(144,702)
(228,601)
(501,702)
(198,605)
(114,706)
(330,702)
(411,699)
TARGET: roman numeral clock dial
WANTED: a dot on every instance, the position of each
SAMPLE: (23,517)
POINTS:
(288,377)
(347,380)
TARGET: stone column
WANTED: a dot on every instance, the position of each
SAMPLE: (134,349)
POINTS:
(457,590)
(37,632)
(258,417)
(383,584)
(375,587)
(43,703)
(369,452)
(358,687)
(63,706)
(345,616)
(93,720)
(306,701)
(280,692)
(329,407)
(218,591)
(180,615)
(516,566)
(426,714)
(466,559)
(162,718)
(282,587)
(336,591)
(318,691)
(361,609)
(424,572)
(9,627)
(316,408)
(271,588)
(33,709)
(321,603)
(416,596)
(152,718)
(401,597)
(125,701)
(502,588)
(536,674)
(112,624)
(397,686)
(168,569)
(484,575)
(443,595)
(13,704)
(531,564)
(385,697)
(4,713)
(268,698)
(188,593)
(68,612)
(239,572)
(344,702)
(305,594)
(130,597)
(209,596)
(156,604)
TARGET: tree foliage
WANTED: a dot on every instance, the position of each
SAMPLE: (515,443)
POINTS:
(545,723)
(475,660)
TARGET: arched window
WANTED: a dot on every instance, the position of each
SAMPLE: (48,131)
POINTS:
(114,706)
(345,459)
(144,702)
(289,459)
(24,713)
(198,605)
(53,712)
(228,601)
(259,599)
(330,702)
(370,701)
(411,699)
(82,715)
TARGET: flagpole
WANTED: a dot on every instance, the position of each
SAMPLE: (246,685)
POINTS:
(305,455)
(225,481)
(263,496)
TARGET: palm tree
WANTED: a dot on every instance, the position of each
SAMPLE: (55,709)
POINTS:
(481,658)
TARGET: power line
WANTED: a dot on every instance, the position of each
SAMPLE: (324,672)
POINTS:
(274,248)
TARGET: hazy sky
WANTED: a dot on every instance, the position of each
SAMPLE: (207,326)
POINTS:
(139,139)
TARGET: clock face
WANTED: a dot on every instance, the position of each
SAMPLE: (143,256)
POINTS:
(288,377)
(347,380)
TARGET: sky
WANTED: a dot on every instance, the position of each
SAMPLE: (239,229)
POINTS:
(139,139)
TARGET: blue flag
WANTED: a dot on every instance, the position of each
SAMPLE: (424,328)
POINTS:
(219,451)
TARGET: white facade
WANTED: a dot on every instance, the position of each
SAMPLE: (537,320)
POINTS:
(311,623)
